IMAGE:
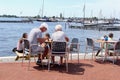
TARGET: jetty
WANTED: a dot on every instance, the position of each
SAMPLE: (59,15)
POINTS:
(16,21)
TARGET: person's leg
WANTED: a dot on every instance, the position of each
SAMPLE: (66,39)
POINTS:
(61,60)
(53,59)
(39,59)
(98,52)
(16,58)
(39,49)
(45,53)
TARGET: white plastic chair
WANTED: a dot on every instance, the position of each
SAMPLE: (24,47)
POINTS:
(75,47)
(115,50)
(58,49)
(28,50)
(90,45)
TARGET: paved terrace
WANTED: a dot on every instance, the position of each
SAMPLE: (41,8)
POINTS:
(85,70)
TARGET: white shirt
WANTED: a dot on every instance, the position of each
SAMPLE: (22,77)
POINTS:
(110,39)
(19,46)
(34,34)
(58,36)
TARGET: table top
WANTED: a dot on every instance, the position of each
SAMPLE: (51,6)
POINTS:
(103,41)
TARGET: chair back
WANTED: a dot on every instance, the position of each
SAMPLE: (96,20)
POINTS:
(74,44)
(117,46)
(58,47)
(90,42)
(26,45)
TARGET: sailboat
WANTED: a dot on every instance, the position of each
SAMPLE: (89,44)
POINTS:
(45,19)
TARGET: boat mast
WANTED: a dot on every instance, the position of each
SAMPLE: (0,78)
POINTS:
(42,9)
(84,15)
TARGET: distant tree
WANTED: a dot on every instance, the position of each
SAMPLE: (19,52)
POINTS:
(53,17)
(4,15)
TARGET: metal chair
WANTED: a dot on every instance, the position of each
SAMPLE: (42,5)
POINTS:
(115,50)
(91,46)
(58,49)
(75,47)
(28,50)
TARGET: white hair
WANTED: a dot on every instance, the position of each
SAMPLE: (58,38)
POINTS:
(58,27)
(44,25)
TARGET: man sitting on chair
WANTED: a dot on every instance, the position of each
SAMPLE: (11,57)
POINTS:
(35,37)
(59,35)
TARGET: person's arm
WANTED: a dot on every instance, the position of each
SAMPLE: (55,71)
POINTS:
(41,40)
(67,39)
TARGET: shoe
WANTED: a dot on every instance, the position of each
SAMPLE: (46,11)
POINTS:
(27,57)
(38,62)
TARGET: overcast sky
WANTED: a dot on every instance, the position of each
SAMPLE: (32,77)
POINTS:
(69,8)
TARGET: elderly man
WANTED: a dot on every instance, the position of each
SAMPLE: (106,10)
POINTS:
(35,37)
(59,35)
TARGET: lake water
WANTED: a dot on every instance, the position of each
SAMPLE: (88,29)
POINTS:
(11,32)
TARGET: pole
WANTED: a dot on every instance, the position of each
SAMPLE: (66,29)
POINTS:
(42,9)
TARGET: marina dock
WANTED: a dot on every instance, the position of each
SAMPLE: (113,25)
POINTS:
(97,26)
(15,21)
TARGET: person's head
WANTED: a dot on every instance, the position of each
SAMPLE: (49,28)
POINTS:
(105,36)
(111,35)
(58,28)
(24,35)
(47,35)
(43,27)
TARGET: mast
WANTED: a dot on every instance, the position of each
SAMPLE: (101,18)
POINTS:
(84,15)
(42,9)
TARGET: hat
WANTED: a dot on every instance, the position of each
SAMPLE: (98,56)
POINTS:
(44,25)
(58,27)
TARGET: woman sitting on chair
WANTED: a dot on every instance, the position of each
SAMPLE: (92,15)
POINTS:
(59,35)
(20,43)
(44,45)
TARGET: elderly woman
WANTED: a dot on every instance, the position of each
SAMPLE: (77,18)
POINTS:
(59,35)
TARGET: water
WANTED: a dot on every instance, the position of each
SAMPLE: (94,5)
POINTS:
(11,32)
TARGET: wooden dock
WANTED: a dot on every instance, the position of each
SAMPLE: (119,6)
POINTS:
(16,21)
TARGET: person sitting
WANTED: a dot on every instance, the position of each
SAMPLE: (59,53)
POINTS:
(20,43)
(109,45)
(59,35)
(44,44)
(110,38)
(102,44)
(35,37)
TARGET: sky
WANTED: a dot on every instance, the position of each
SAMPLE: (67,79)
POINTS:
(69,8)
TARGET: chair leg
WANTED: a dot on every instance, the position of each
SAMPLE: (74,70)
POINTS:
(92,55)
(85,53)
(117,55)
(78,52)
(114,57)
(29,62)
(34,59)
(42,59)
(71,56)
(66,61)
(78,57)
(102,55)
(22,59)
(49,63)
